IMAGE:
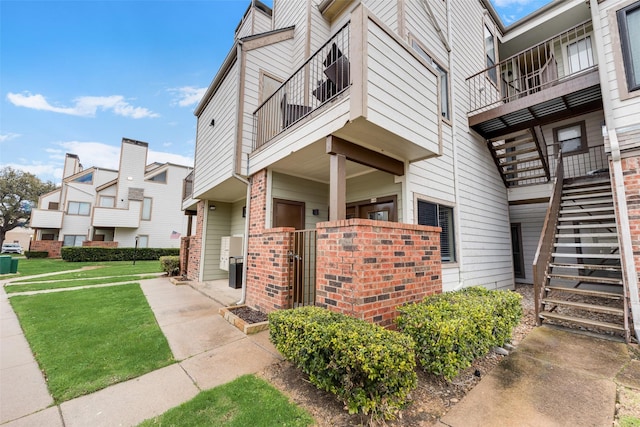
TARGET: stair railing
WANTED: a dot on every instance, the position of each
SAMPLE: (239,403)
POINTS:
(547,239)
(540,142)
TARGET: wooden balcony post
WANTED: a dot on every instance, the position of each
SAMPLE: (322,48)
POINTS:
(337,187)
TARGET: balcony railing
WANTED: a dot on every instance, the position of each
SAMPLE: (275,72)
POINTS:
(533,70)
(320,79)
(187,186)
(590,162)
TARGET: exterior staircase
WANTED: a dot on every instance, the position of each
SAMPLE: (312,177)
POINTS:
(583,286)
(520,158)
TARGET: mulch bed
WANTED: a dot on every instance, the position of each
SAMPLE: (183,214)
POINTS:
(248,314)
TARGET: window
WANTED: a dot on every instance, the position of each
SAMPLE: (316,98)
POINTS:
(53,206)
(146,209)
(79,208)
(444,79)
(143,241)
(572,139)
(629,27)
(73,240)
(85,179)
(107,201)
(439,216)
(490,52)
(579,55)
(161,177)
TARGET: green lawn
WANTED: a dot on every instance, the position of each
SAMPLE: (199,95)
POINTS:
(88,339)
(38,286)
(246,401)
(28,267)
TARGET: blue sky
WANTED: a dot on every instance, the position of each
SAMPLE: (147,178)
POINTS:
(78,76)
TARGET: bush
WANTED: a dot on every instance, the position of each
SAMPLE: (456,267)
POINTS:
(170,265)
(88,253)
(368,367)
(36,254)
(452,329)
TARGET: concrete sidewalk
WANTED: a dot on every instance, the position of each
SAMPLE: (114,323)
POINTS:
(210,352)
(553,378)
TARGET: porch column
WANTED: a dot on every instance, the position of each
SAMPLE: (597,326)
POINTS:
(338,188)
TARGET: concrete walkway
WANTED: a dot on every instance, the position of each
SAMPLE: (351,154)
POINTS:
(553,378)
(210,352)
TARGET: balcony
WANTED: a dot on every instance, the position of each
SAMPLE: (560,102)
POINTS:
(43,218)
(115,217)
(364,85)
(556,79)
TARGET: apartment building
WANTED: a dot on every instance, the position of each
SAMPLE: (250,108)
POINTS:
(138,203)
(361,154)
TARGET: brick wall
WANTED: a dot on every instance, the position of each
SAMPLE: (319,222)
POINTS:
(191,246)
(51,246)
(368,268)
(631,174)
(100,244)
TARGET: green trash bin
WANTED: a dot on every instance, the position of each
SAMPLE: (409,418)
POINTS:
(14,265)
(5,264)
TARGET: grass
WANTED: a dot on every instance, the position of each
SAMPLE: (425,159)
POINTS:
(27,286)
(246,401)
(112,268)
(91,338)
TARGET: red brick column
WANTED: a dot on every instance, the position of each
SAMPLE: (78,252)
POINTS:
(368,268)
(53,247)
(268,261)
(191,247)
(631,173)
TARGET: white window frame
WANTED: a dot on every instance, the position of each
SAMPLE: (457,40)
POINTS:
(76,208)
(450,231)
(489,34)
(145,212)
(143,241)
(566,57)
(628,61)
(442,73)
(75,237)
(107,201)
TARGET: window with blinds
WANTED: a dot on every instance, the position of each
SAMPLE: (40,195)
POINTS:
(439,216)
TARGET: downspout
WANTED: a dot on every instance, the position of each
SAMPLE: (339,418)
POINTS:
(454,149)
(236,175)
(621,201)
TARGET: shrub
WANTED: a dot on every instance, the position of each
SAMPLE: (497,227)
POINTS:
(452,329)
(36,254)
(170,265)
(89,253)
(371,369)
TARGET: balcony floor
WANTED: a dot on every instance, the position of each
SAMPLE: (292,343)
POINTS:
(571,97)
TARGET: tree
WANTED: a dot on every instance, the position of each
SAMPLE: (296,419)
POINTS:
(19,192)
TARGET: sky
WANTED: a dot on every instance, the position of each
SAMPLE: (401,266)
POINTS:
(78,76)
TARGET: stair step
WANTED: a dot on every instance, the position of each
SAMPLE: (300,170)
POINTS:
(587,202)
(516,153)
(520,161)
(587,183)
(584,306)
(587,218)
(520,170)
(587,235)
(598,267)
(589,189)
(586,245)
(581,321)
(524,178)
(583,256)
(586,210)
(589,292)
(588,196)
(511,144)
(586,226)
(588,279)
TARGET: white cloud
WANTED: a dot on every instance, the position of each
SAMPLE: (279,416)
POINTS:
(8,136)
(187,95)
(84,106)
(162,157)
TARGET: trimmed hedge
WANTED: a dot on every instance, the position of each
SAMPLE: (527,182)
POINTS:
(88,253)
(170,265)
(370,368)
(452,329)
(36,254)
